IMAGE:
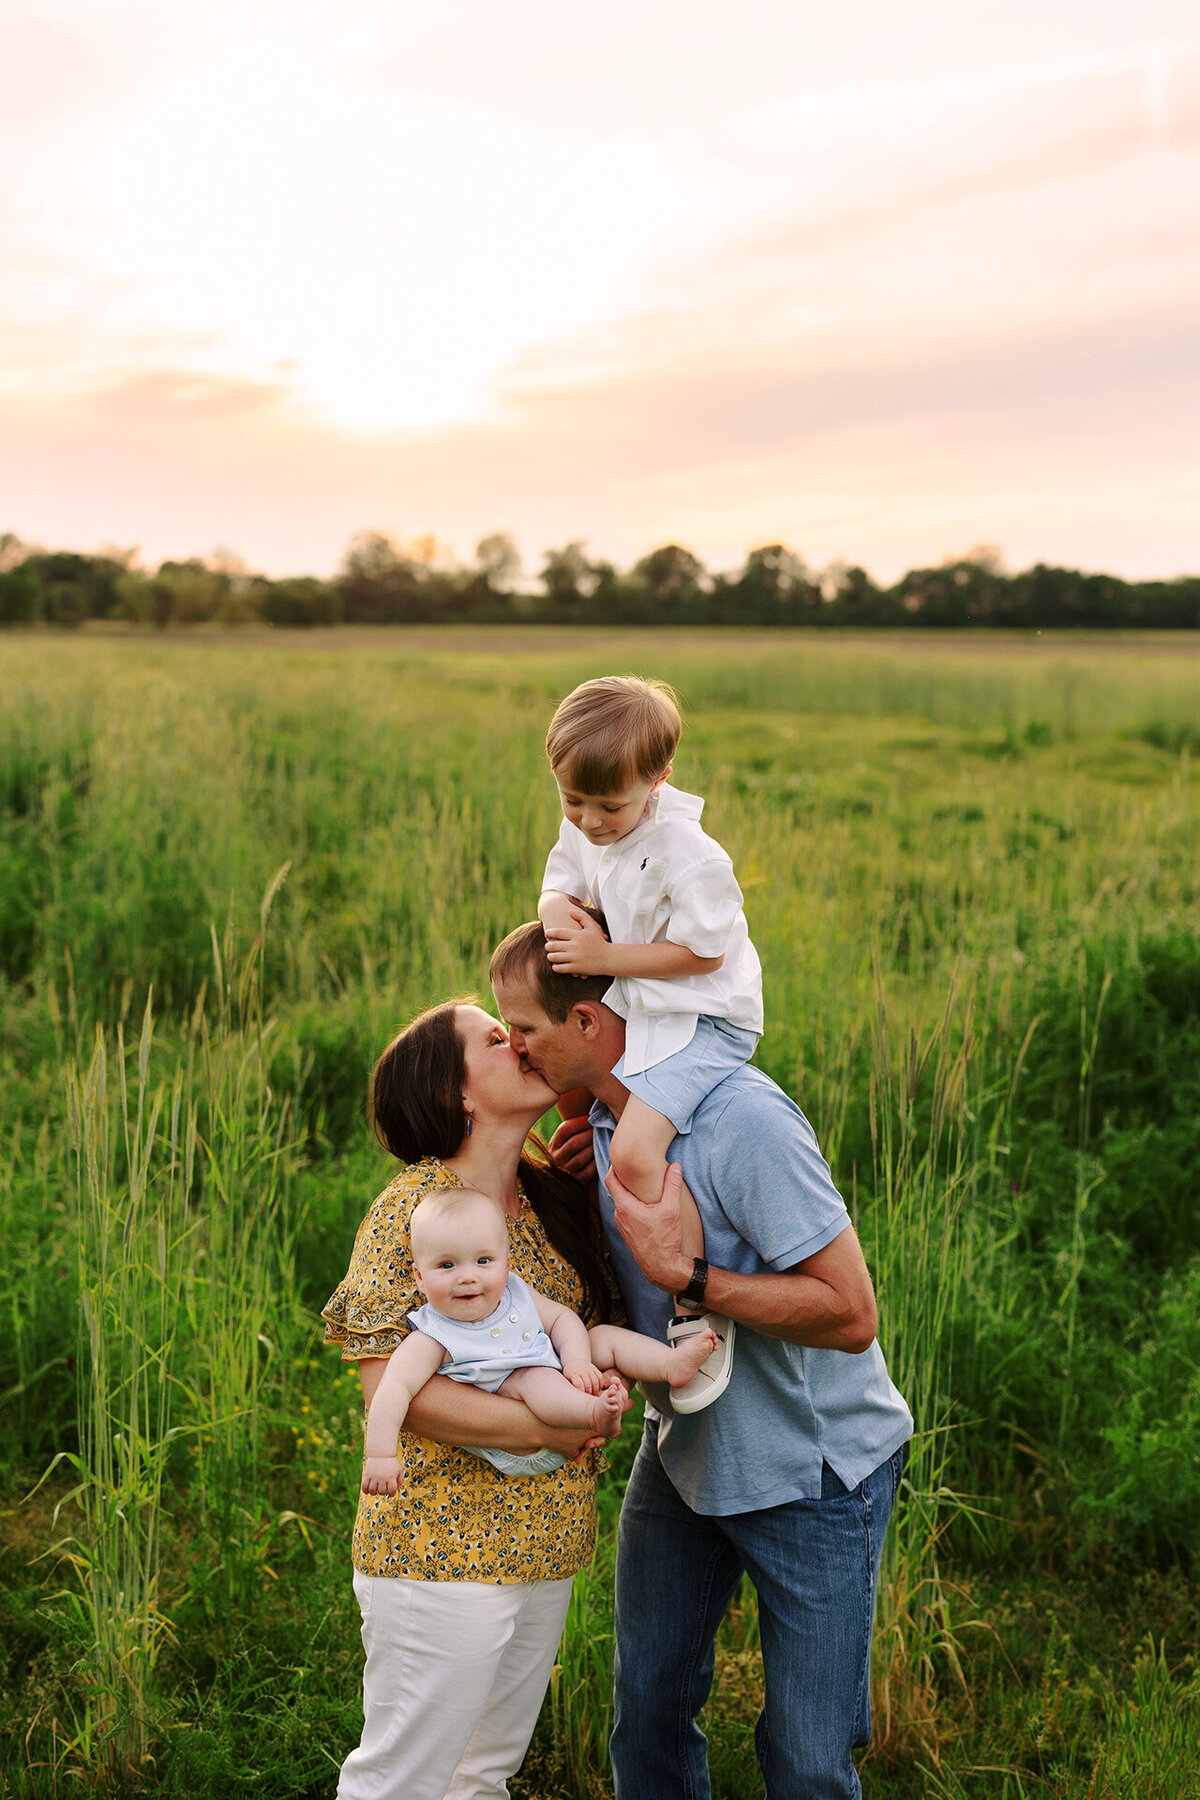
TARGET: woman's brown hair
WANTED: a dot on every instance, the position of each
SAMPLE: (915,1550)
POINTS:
(416,1109)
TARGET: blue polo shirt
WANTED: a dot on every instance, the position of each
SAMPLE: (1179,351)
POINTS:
(767,1201)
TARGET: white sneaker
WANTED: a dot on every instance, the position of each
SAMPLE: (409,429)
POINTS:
(712,1377)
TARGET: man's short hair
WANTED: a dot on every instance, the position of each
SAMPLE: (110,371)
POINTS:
(522,957)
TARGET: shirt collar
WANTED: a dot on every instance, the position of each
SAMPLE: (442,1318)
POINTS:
(599,1115)
(666,803)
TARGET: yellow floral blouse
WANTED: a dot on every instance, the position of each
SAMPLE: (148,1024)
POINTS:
(456,1518)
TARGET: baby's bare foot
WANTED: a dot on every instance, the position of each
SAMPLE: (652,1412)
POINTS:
(686,1358)
(608,1410)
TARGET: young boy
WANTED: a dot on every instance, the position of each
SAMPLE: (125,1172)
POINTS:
(686,978)
(481,1324)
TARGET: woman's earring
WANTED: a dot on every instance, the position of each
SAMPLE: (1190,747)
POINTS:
(470,1124)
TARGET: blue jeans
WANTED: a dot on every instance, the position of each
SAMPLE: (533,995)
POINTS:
(815,1565)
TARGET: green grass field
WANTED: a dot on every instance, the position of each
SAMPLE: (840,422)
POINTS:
(231,866)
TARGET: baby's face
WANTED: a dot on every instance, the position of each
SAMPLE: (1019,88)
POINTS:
(461,1260)
(605,818)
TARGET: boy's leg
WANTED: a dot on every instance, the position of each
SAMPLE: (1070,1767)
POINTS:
(638,1154)
(550,1397)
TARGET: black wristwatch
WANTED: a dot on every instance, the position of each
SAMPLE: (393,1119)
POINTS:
(693,1293)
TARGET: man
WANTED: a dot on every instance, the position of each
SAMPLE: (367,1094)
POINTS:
(791,1474)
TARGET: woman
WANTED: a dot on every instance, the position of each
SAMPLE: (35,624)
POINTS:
(463,1577)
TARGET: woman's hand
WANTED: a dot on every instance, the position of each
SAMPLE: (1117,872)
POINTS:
(571,1149)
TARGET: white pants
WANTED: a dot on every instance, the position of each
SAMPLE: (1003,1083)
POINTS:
(454,1680)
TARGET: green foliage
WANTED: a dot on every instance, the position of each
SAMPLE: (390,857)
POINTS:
(972,882)
(381,582)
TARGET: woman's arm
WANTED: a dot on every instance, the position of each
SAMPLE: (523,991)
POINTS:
(450,1412)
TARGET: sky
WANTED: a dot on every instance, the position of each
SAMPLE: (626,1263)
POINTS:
(880,282)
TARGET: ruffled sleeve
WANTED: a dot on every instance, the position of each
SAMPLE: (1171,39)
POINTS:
(367,1314)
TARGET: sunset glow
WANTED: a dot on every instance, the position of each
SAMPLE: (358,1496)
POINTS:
(879,286)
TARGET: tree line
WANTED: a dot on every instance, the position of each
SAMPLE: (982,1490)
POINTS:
(381,582)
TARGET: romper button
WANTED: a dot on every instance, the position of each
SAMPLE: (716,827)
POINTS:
(495,1331)
(525,1336)
(512,1318)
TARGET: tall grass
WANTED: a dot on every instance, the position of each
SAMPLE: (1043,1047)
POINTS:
(927,1165)
(132,1227)
(955,869)
(185,1253)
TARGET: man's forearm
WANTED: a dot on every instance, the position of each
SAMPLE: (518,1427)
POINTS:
(826,1302)
(800,1309)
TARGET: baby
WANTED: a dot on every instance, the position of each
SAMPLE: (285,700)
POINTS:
(686,978)
(481,1324)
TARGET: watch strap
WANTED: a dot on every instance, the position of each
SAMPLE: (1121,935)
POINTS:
(693,1293)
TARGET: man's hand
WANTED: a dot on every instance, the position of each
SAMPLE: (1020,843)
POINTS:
(577,948)
(654,1233)
(571,1149)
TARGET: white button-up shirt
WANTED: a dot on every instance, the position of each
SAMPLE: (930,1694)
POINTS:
(667,882)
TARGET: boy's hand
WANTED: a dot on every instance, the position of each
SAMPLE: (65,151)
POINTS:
(585,1376)
(578,948)
(382,1475)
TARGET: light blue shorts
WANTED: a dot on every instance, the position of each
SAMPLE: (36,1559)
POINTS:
(676,1086)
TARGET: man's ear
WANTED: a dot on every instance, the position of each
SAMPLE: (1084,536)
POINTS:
(585,1016)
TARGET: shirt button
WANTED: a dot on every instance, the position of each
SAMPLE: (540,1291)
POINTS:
(512,1318)
(525,1336)
(495,1331)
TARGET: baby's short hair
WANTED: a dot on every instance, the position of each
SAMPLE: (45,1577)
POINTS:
(442,1201)
(612,728)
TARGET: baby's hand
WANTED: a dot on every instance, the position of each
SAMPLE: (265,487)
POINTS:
(382,1475)
(585,1376)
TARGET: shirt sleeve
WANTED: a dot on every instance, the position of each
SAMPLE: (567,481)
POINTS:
(705,903)
(772,1182)
(367,1314)
(564,871)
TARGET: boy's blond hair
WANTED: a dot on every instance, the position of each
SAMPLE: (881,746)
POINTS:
(612,729)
